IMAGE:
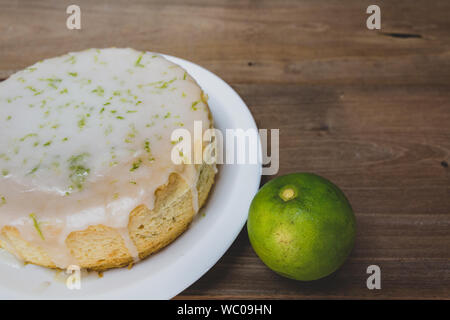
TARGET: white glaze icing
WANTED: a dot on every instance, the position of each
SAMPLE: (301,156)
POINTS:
(85,138)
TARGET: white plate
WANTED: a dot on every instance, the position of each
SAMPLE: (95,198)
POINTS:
(169,272)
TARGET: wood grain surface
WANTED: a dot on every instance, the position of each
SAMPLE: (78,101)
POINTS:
(369,110)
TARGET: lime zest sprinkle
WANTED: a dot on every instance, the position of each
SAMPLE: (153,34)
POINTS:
(31,88)
(79,172)
(147,146)
(36,225)
(193,106)
(52,82)
(136,165)
(176,141)
(99,91)
(3,201)
(138,62)
(34,169)
(82,122)
(166,84)
(71,59)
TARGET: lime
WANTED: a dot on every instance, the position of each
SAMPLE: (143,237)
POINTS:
(301,226)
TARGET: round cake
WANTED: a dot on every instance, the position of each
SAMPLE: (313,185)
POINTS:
(87,175)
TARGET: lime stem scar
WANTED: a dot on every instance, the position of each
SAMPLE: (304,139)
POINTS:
(288,193)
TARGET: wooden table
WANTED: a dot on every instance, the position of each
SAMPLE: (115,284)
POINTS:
(370,110)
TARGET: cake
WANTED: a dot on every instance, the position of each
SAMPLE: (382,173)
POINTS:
(86,174)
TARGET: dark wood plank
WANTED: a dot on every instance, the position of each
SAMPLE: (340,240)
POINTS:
(369,110)
(405,265)
(384,145)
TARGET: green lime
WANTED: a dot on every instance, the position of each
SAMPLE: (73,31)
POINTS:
(301,226)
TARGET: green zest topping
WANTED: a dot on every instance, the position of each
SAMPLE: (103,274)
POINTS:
(82,122)
(99,91)
(162,84)
(36,92)
(136,165)
(138,62)
(176,141)
(147,146)
(78,171)
(71,60)
(131,134)
(37,225)
(34,169)
(193,106)
(2,200)
(52,82)
(166,84)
